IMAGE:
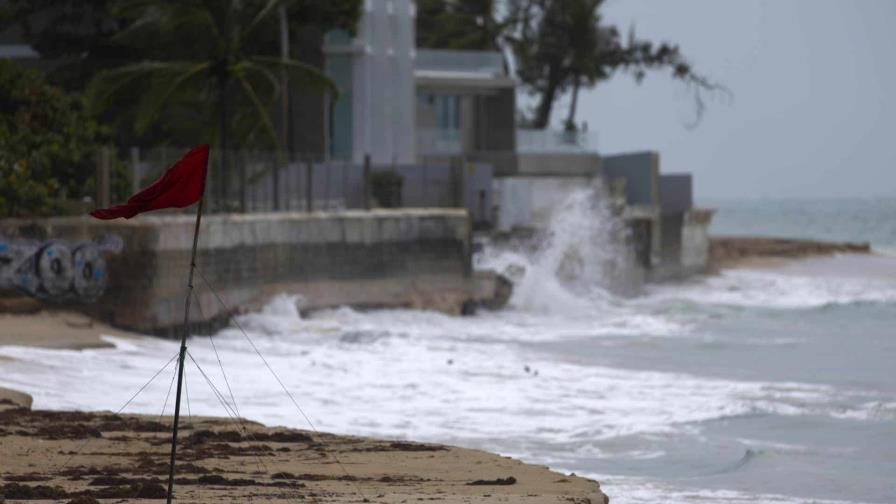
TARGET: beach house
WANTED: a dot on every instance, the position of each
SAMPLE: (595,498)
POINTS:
(401,105)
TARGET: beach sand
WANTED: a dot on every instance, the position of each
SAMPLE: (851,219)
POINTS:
(56,329)
(62,455)
(68,456)
(30,324)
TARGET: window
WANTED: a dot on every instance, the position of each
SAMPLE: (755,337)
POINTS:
(447,111)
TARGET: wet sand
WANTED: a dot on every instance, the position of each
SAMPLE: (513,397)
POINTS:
(49,328)
(30,324)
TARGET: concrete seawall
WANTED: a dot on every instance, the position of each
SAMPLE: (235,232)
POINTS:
(385,258)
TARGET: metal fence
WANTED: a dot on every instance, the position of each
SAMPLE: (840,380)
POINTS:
(262,181)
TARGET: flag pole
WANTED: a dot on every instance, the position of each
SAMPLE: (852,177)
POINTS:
(183,345)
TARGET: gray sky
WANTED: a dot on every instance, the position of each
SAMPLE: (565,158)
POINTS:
(813,113)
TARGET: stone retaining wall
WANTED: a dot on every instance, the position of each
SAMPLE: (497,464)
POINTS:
(408,257)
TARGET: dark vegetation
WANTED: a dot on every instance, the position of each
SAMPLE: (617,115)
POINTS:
(386,188)
(148,73)
(47,142)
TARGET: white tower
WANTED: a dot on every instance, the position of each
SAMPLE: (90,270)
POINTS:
(375,74)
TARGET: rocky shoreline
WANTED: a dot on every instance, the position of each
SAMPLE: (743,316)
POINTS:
(732,251)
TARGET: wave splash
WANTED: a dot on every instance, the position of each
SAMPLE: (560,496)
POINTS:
(580,261)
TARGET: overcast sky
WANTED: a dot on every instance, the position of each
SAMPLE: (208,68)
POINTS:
(813,112)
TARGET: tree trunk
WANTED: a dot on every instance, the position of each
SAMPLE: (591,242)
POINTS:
(571,117)
(546,103)
(223,186)
(284,106)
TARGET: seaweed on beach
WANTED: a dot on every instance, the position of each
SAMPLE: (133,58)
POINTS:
(68,431)
(210,436)
(119,480)
(23,478)
(142,490)
(83,499)
(207,436)
(283,437)
(148,465)
(117,423)
(325,477)
(219,480)
(77,473)
(10,417)
(29,492)
(402,479)
(216,479)
(225,451)
(76,424)
(402,446)
(510,480)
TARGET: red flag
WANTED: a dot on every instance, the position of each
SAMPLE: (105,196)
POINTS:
(180,186)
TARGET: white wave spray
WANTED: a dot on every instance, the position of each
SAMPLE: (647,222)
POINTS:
(578,262)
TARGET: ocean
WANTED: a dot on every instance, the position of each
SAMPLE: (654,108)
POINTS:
(753,385)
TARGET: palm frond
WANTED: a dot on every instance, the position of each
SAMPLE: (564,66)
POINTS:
(265,74)
(104,87)
(300,72)
(258,19)
(153,19)
(262,110)
(168,82)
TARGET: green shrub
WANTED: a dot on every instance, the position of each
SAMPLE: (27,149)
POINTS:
(47,145)
(386,188)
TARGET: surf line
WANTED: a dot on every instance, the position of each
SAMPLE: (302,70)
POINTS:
(88,438)
(229,315)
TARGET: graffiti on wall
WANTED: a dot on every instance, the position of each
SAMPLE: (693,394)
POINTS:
(56,270)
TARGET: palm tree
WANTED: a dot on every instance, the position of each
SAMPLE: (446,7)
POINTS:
(208,55)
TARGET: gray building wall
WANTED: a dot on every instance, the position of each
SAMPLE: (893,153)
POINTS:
(509,164)
(676,192)
(638,174)
(684,243)
(641,173)
(496,129)
(695,241)
(529,202)
(675,201)
(485,97)
(671,238)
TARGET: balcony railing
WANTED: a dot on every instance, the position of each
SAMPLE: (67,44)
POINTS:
(449,142)
(441,60)
(439,141)
(533,141)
